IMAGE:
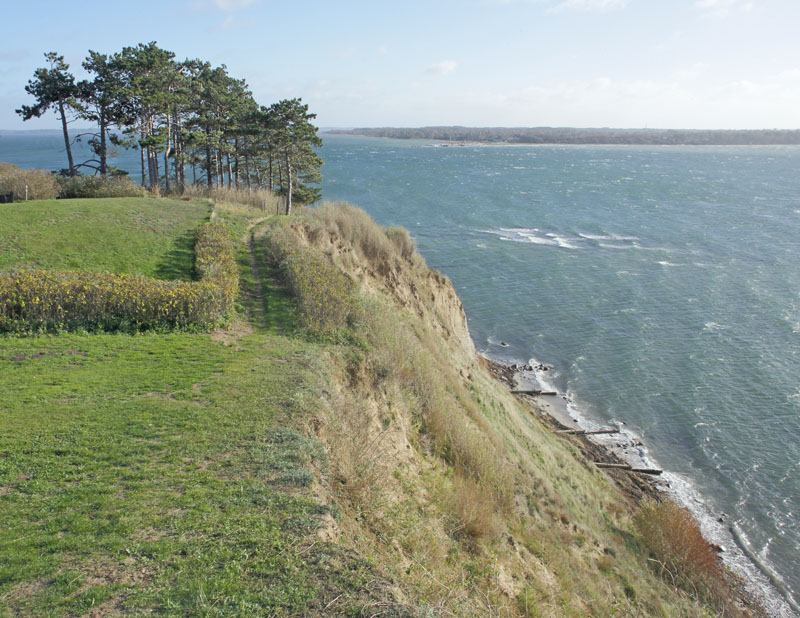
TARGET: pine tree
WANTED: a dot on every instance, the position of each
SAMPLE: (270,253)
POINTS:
(295,138)
(53,86)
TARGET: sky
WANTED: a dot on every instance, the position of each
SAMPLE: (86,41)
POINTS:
(695,64)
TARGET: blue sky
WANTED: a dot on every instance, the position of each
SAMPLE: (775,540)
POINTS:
(602,63)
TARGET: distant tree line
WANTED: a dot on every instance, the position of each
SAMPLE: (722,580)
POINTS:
(181,115)
(566,135)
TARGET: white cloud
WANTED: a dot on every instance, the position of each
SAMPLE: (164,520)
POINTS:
(589,5)
(442,68)
(233,5)
(723,8)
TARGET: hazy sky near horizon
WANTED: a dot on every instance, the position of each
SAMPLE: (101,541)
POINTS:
(602,63)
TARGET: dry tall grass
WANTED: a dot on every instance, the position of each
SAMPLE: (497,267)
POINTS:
(357,229)
(261,199)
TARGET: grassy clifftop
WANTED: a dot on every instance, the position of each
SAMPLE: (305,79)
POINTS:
(337,449)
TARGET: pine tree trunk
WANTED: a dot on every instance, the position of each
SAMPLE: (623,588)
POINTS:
(167,152)
(103,145)
(236,162)
(155,170)
(178,163)
(63,114)
(180,158)
(246,165)
(271,184)
(141,153)
(230,170)
(209,167)
(288,184)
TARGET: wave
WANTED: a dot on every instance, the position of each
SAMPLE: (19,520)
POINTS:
(534,236)
(607,236)
(566,240)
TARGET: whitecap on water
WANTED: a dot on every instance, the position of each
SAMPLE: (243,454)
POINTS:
(534,236)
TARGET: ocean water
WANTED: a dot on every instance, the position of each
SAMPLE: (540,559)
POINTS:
(662,284)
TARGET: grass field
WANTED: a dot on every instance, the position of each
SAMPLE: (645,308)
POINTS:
(160,473)
(148,237)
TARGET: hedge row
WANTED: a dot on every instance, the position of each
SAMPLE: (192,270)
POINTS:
(326,297)
(42,300)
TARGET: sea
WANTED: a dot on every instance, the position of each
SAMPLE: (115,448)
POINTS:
(659,286)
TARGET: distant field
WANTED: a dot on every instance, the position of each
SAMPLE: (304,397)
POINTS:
(151,237)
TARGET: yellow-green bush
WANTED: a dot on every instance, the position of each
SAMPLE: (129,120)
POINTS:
(324,294)
(42,300)
(41,184)
(215,262)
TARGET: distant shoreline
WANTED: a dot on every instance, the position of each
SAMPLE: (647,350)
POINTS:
(583,136)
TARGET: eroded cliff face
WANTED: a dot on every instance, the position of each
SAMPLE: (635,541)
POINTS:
(463,498)
(416,288)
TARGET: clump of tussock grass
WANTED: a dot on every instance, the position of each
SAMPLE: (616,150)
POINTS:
(472,509)
(41,184)
(354,227)
(360,469)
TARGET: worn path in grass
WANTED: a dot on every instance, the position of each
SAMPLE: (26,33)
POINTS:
(164,475)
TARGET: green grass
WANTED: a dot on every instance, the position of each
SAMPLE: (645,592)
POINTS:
(142,236)
(164,474)
(158,472)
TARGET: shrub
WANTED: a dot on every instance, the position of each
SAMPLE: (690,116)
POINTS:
(41,184)
(41,300)
(402,242)
(215,262)
(325,295)
(683,557)
(98,186)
